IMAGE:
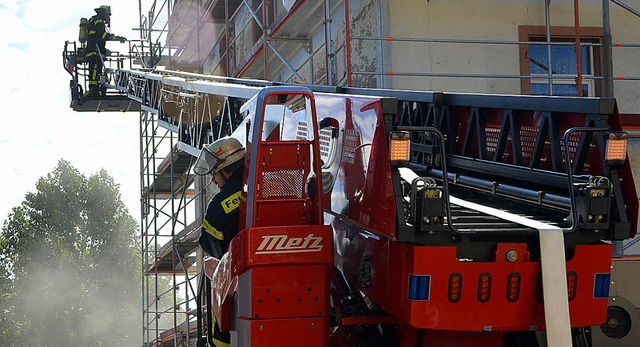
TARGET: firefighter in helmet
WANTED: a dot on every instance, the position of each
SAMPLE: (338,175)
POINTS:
(97,34)
(224,159)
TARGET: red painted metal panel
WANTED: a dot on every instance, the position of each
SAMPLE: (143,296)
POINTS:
(284,292)
(276,272)
(393,262)
(469,314)
(307,332)
(262,246)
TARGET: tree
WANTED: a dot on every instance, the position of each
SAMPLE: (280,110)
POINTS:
(70,265)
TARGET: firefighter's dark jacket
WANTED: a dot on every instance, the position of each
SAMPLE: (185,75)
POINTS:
(221,221)
(97,34)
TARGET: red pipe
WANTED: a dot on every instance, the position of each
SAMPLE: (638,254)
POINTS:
(264,37)
(226,38)
(348,41)
(576,11)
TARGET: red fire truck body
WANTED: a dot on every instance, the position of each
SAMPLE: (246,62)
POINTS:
(414,264)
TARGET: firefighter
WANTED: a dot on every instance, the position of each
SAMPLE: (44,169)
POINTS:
(224,159)
(97,34)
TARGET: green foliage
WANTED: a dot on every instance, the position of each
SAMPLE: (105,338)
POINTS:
(70,265)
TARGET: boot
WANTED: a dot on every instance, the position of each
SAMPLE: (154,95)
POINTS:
(93,91)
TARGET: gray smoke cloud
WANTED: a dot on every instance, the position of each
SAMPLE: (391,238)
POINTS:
(81,304)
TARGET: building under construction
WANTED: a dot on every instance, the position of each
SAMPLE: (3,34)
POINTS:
(468,46)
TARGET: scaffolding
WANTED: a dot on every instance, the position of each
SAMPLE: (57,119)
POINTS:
(334,43)
(177,117)
(263,39)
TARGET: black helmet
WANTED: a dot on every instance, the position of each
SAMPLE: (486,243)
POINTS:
(104,9)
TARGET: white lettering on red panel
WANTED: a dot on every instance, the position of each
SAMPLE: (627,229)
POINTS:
(277,244)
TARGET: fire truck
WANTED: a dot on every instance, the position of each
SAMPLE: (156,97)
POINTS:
(403,218)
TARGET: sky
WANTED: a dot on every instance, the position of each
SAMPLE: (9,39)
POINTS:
(38,128)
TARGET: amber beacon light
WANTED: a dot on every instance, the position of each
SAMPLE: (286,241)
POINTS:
(399,148)
(616,153)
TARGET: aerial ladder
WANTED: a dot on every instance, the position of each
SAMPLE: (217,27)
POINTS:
(404,218)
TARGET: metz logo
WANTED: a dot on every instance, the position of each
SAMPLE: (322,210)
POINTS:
(277,244)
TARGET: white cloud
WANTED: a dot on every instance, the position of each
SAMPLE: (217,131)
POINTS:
(38,127)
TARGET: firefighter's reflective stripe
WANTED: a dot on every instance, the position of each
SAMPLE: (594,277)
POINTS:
(94,23)
(219,343)
(93,54)
(219,334)
(93,79)
(211,230)
(222,218)
(231,203)
(98,26)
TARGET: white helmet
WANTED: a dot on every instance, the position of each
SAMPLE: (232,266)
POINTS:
(218,155)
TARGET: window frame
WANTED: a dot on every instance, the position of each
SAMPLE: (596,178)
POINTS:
(529,33)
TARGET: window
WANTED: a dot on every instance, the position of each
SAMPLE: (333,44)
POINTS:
(534,61)
(563,62)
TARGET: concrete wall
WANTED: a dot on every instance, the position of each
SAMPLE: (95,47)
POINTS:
(364,16)
(625,28)
(495,20)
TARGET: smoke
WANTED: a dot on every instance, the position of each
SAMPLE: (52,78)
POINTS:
(78,303)
(200,41)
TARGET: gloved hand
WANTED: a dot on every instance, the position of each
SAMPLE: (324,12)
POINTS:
(210,265)
(113,37)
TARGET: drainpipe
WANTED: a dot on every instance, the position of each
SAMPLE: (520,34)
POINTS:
(548,27)
(169,7)
(380,83)
(327,42)
(227,40)
(198,26)
(607,74)
(607,61)
(576,12)
(265,34)
(347,38)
